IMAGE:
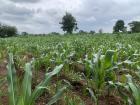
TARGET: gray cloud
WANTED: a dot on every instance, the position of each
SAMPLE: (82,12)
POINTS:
(25,1)
(43,16)
(17,11)
(15,14)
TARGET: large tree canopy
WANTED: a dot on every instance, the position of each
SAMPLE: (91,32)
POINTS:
(69,23)
(119,26)
(135,26)
(7,31)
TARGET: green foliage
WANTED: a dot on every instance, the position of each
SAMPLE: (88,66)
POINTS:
(92,32)
(128,90)
(73,101)
(100,67)
(97,63)
(69,23)
(134,89)
(7,31)
(54,33)
(135,26)
(100,31)
(24,33)
(12,81)
(119,26)
(21,94)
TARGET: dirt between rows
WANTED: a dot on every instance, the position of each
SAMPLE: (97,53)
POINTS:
(3,68)
(4,87)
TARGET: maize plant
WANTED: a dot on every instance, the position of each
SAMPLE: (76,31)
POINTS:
(134,89)
(101,68)
(129,91)
(22,94)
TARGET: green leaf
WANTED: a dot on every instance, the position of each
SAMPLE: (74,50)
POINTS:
(11,78)
(38,91)
(108,61)
(92,95)
(58,95)
(135,90)
(26,84)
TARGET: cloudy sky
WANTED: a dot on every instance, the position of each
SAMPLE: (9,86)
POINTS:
(43,16)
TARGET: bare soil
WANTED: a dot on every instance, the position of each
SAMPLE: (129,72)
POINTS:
(4,87)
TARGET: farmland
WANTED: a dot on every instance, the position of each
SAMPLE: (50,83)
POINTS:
(70,70)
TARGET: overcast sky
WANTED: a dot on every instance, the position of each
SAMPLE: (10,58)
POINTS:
(43,16)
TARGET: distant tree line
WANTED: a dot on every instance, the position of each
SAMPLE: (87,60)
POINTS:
(135,26)
(69,24)
(120,27)
(7,31)
(86,32)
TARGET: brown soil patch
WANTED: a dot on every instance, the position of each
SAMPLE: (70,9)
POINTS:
(43,99)
(4,87)
(3,71)
(110,100)
(4,100)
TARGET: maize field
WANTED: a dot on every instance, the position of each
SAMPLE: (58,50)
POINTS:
(102,69)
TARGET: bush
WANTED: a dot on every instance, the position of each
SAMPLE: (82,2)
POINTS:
(7,31)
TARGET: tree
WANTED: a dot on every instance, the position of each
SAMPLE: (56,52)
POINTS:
(92,32)
(119,26)
(69,23)
(125,29)
(7,31)
(100,31)
(82,32)
(54,33)
(11,31)
(24,33)
(135,26)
